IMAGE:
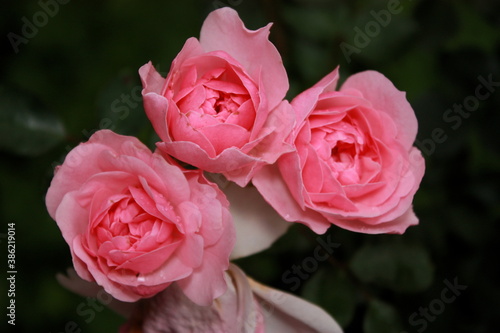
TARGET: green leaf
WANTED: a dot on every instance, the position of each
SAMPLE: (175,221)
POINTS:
(381,318)
(26,129)
(397,266)
(332,290)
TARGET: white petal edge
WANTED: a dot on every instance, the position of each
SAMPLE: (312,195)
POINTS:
(257,224)
(284,312)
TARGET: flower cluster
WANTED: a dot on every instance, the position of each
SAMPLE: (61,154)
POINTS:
(147,230)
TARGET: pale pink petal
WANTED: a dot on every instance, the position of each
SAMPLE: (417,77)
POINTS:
(284,312)
(71,175)
(206,282)
(224,30)
(238,305)
(72,219)
(275,191)
(98,275)
(190,49)
(257,224)
(305,102)
(275,133)
(149,261)
(395,226)
(385,97)
(155,105)
(76,168)
(223,136)
(191,153)
(172,269)
(191,251)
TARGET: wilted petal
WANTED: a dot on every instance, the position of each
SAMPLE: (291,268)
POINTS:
(284,312)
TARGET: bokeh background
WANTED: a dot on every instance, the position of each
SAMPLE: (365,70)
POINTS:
(75,71)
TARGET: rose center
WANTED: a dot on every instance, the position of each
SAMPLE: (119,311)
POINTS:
(343,152)
(126,231)
(339,145)
(220,95)
(221,105)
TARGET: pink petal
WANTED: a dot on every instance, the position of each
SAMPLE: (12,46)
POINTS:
(155,105)
(76,170)
(150,261)
(385,97)
(273,188)
(182,131)
(191,153)
(395,226)
(224,136)
(257,224)
(98,275)
(212,204)
(277,129)
(190,218)
(206,282)
(305,102)
(71,218)
(190,251)
(171,270)
(287,313)
(224,30)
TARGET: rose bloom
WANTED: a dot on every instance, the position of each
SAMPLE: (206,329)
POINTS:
(354,164)
(221,106)
(246,307)
(136,223)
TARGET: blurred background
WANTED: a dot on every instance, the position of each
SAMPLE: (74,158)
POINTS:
(69,68)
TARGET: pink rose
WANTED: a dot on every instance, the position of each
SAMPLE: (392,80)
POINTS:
(246,307)
(354,164)
(135,223)
(221,106)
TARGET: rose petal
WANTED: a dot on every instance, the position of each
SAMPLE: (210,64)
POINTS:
(257,224)
(224,30)
(385,97)
(287,313)
(306,101)
(206,282)
(275,191)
